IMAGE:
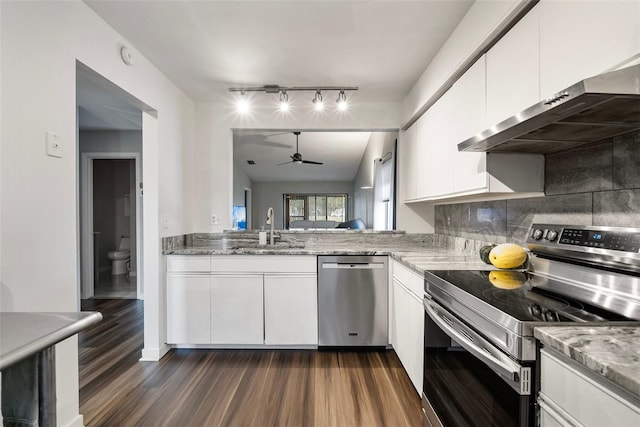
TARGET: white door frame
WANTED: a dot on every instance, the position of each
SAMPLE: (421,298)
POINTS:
(248,202)
(87,219)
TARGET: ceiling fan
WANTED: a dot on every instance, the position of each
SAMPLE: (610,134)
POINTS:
(297,157)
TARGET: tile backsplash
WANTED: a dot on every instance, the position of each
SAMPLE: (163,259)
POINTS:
(596,184)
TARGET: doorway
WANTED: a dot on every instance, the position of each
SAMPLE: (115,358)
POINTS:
(111,225)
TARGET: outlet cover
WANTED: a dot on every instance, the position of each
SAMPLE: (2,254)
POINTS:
(214,219)
(53,144)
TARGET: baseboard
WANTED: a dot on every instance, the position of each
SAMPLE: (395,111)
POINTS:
(154,354)
(77,422)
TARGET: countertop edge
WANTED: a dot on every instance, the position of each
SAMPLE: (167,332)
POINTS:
(48,339)
(608,351)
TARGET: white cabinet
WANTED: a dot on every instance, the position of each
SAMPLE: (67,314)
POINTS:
(188,309)
(435,153)
(513,70)
(467,117)
(237,309)
(408,162)
(242,300)
(580,39)
(291,309)
(444,173)
(408,321)
(572,395)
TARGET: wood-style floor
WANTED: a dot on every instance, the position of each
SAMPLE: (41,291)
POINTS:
(233,387)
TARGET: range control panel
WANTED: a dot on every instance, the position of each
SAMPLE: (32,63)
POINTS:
(608,238)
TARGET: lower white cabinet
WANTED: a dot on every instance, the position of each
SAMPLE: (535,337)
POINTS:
(572,395)
(290,309)
(408,322)
(188,309)
(237,309)
(242,300)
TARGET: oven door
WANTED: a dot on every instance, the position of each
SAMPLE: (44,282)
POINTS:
(467,380)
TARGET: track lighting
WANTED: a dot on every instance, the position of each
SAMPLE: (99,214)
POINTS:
(283,101)
(342,101)
(318,103)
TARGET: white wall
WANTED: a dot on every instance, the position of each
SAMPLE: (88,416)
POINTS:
(40,45)
(379,144)
(240,181)
(212,176)
(110,141)
(269,194)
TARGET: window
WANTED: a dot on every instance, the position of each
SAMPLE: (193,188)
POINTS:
(315,207)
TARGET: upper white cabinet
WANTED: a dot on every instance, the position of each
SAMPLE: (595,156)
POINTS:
(513,70)
(407,163)
(466,117)
(434,155)
(581,39)
(444,173)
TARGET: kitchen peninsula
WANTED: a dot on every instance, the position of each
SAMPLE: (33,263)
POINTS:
(234,260)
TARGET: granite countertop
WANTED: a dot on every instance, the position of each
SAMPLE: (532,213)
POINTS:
(419,258)
(610,351)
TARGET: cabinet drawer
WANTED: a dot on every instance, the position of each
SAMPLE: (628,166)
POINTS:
(188,263)
(589,402)
(408,278)
(264,263)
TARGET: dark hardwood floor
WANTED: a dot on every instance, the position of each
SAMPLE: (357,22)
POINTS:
(233,387)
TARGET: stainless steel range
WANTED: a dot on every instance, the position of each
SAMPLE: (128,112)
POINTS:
(480,352)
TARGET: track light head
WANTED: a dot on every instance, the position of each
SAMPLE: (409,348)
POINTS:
(318,102)
(242,104)
(342,101)
(284,101)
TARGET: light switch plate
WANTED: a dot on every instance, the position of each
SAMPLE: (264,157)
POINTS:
(53,144)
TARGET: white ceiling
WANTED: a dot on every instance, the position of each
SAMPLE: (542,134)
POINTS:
(205,47)
(208,46)
(341,153)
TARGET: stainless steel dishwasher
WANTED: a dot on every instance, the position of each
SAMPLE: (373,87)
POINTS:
(353,294)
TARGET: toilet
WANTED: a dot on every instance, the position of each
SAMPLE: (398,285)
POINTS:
(120,258)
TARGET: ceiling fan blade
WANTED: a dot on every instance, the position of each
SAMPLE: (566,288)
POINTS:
(311,162)
(270,144)
(285,163)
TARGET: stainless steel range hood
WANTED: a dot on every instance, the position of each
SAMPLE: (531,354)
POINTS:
(596,108)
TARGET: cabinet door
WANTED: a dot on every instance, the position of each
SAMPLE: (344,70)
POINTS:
(415,315)
(237,309)
(580,39)
(435,154)
(513,70)
(290,309)
(188,309)
(408,161)
(467,117)
(401,320)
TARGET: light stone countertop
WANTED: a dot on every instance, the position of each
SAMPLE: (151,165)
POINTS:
(610,351)
(418,258)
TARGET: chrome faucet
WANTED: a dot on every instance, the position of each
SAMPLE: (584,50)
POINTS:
(270,222)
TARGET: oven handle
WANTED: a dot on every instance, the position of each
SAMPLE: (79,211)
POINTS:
(500,364)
